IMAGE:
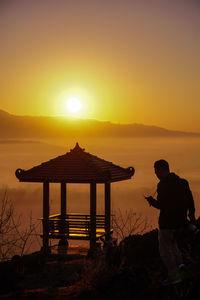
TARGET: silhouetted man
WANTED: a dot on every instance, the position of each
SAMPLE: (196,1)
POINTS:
(175,201)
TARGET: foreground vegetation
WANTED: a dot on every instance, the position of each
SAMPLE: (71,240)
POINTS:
(131,270)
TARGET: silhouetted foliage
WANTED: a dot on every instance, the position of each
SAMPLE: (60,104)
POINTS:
(128,222)
(14,240)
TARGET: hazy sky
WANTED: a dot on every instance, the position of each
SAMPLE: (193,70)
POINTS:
(128,61)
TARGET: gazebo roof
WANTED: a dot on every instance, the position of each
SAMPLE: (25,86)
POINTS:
(76,166)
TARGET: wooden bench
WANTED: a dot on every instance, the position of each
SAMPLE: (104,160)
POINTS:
(74,226)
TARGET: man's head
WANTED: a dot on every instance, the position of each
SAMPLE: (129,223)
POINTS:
(161,168)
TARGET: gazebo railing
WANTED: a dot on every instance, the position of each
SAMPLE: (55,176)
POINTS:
(74,226)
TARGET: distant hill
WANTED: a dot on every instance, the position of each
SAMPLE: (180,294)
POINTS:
(12,126)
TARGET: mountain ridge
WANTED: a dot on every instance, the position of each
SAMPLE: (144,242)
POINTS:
(15,126)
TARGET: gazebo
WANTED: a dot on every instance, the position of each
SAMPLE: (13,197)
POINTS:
(76,166)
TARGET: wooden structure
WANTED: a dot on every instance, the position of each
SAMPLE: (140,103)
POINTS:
(76,166)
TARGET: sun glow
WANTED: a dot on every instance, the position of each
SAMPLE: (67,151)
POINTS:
(74,105)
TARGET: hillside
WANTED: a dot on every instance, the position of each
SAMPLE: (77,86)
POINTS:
(13,126)
(131,270)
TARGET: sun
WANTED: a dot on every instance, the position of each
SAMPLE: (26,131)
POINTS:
(74,105)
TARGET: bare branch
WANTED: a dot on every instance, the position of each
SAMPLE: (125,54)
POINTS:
(127,223)
(14,239)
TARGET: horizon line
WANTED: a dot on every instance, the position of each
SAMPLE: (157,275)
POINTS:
(74,118)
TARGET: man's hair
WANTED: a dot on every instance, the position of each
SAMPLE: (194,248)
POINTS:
(161,164)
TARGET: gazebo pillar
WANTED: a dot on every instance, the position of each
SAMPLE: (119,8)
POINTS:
(92,216)
(107,209)
(63,243)
(46,217)
(63,204)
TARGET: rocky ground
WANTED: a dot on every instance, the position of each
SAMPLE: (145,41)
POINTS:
(131,270)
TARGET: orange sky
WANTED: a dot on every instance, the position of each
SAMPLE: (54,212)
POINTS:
(128,61)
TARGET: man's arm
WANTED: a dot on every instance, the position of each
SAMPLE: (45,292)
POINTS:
(153,202)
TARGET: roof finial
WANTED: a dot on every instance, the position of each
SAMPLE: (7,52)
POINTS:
(77,148)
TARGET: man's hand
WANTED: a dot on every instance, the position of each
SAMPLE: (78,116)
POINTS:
(193,220)
(192,217)
(149,199)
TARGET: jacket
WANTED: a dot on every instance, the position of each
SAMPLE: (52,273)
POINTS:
(175,201)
